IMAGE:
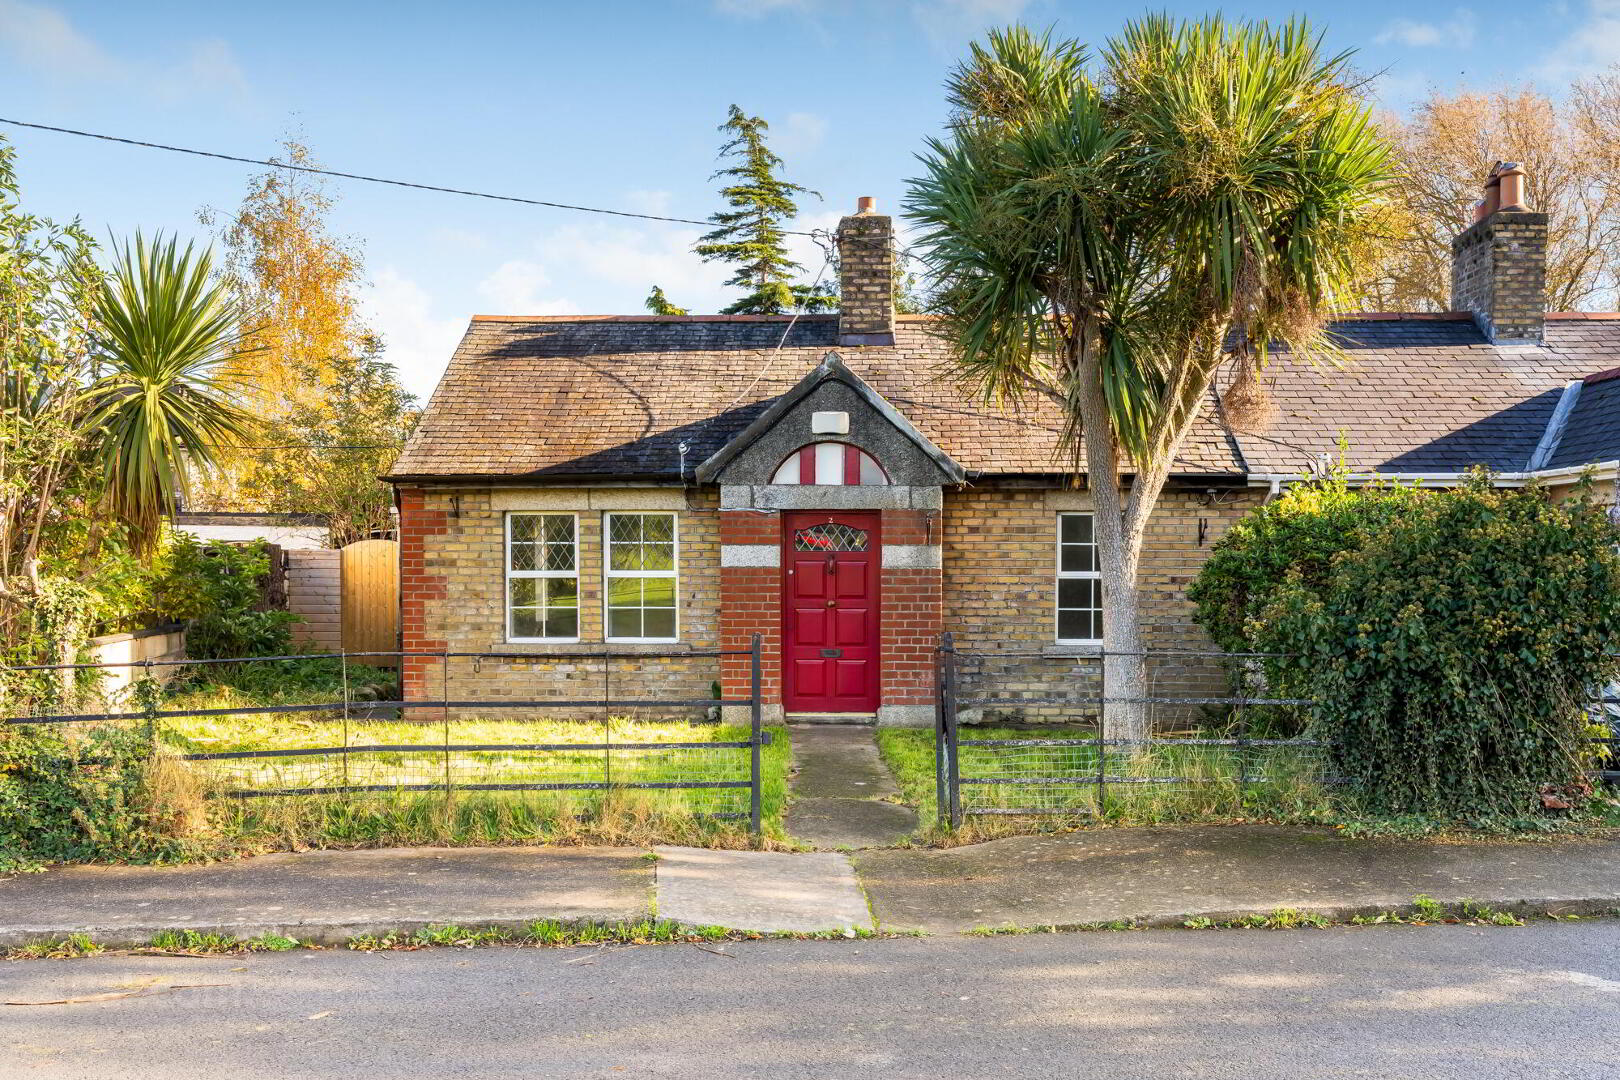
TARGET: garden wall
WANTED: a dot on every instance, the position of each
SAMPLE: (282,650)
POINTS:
(158,643)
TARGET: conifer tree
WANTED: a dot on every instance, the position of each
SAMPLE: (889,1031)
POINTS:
(659,304)
(750,234)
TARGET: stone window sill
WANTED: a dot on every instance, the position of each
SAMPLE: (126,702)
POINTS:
(1072,648)
(588,648)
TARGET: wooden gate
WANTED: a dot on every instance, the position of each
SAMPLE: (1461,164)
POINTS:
(370,577)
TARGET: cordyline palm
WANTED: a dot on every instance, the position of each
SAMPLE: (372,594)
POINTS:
(163,330)
(1108,241)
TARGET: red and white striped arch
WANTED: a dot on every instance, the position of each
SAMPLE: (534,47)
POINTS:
(832,463)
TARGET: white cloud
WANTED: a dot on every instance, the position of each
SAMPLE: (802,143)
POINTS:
(1456,32)
(649,202)
(41,37)
(516,287)
(755,9)
(416,342)
(947,22)
(800,133)
(1592,46)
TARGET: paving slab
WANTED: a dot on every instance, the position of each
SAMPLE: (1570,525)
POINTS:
(1159,876)
(763,891)
(841,789)
(329,896)
(839,761)
(850,824)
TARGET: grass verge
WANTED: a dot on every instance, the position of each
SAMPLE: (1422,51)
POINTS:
(542,933)
(1423,911)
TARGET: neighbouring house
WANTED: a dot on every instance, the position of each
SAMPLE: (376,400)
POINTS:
(676,484)
(290,532)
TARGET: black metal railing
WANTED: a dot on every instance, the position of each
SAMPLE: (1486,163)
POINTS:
(1052,773)
(368,765)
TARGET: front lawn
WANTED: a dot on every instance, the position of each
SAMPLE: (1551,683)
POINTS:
(643,752)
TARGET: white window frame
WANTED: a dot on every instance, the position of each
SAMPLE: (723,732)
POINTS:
(506,563)
(1072,575)
(608,573)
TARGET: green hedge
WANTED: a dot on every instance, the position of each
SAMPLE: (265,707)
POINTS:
(1449,637)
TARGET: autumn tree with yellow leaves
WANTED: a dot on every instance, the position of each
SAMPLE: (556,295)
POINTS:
(1570,149)
(333,412)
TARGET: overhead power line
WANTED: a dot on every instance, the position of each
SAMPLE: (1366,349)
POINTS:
(813,233)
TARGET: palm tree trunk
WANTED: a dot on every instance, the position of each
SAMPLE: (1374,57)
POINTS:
(1119,549)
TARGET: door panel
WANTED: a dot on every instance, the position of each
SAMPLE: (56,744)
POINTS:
(830,612)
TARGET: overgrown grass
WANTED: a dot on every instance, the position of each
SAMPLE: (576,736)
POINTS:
(1282,783)
(613,815)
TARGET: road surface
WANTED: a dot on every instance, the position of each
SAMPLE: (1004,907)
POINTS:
(1540,1001)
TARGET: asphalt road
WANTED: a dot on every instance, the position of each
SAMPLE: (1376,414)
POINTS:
(1421,1002)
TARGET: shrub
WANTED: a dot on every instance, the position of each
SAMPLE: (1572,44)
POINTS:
(70,793)
(1450,642)
(218,589)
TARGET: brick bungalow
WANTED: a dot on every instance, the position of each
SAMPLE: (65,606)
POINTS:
(671,485)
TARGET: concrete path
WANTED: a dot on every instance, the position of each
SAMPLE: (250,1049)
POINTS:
(841,790)
(765,891)
(330,896)
(1153,876)
(1159,876)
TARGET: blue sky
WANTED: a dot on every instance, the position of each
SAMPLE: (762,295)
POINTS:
(612,103)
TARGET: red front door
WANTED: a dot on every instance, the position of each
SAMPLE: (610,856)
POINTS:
(830,608)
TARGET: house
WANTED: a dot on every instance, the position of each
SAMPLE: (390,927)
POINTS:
(674,485)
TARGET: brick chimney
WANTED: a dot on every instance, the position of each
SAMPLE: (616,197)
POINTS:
(866,276)
(1499,263)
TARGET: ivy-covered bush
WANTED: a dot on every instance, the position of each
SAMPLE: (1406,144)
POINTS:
(1449,638)
(69,793)
(218,589)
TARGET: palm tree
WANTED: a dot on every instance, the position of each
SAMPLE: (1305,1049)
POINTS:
(163,407)
(1110,240)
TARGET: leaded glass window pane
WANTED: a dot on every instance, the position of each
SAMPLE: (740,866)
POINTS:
(642,583)
(542,582)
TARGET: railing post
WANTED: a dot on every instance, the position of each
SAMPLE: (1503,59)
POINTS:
(953,758)
(1243,732)
(755,738)
(444,714)
(941,789)
(1102,734)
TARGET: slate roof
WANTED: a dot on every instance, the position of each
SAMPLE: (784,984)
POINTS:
(1427,394)
(598,397)
(1592,432)
(615,396)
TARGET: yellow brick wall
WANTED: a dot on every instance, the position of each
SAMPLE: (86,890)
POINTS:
(471,615)
(1000,551)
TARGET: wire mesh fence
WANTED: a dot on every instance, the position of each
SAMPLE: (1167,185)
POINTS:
(1021,734)
(560,722)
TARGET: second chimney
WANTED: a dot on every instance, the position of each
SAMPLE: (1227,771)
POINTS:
(1499,263)
(866,277)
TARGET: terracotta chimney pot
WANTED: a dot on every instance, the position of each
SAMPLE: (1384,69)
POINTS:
(1493,195)
(1510,183)
(866,204)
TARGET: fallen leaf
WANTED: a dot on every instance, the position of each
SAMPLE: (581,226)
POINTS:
(321,1015)
(113,995)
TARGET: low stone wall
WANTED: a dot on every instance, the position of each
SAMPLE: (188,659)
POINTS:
(158,643)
